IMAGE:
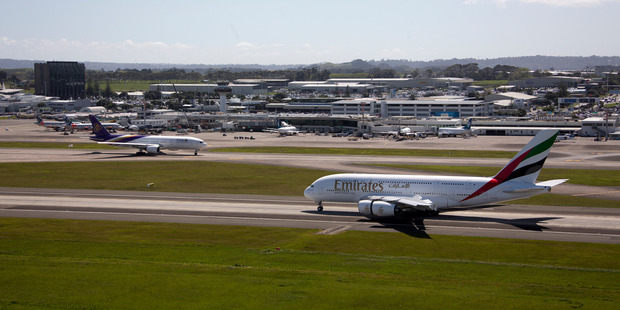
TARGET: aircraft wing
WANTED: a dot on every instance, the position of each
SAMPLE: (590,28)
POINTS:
(415,202)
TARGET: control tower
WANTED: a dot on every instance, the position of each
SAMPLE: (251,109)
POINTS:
(222,89)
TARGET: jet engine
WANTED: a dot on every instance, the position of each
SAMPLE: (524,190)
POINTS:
(152,149)
(377,208)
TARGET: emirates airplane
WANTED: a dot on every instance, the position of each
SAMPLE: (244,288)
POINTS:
(388,195)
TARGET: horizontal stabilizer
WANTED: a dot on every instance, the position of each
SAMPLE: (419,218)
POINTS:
(552,183)
(542,186)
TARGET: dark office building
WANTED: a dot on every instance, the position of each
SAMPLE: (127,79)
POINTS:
(64,79)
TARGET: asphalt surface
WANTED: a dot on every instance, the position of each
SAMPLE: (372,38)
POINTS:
(598,225)
(506,221)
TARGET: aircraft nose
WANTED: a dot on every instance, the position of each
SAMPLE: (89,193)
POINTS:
(309,192)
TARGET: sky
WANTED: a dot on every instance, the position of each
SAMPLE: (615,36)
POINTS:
(304,32)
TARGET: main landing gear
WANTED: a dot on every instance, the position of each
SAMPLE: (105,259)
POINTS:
(320,207)
(195,152)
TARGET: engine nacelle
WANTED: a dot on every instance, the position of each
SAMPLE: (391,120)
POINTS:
(376,208)
(152,149)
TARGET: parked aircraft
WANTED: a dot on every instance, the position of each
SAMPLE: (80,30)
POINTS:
(150,144)
(284,130)
(387,195)
(58,126)
(456,131)
(83,126)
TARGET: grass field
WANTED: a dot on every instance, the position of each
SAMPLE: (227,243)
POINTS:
(66,264)
(491,83)
(167,176)
(367,151)
(222,178)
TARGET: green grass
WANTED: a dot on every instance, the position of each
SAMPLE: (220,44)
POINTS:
(491,83)
(299,150)
(167,176)
(367,151)
(207,177)
(67,264)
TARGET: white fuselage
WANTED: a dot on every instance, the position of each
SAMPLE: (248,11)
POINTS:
(289,130)
(153,144)
(174,143)
(444,191)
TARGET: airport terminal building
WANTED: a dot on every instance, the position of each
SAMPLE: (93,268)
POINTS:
(413,108)
(368,84)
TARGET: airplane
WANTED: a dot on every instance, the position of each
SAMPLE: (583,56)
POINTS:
(285,129)
(83,126)
(390,195)
(456,131)
(404,133)
(150,144)
(54,125)
(145,126)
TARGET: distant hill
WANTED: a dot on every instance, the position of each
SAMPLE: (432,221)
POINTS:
(530,62)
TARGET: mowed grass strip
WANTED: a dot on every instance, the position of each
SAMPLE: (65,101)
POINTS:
(103,264)
(367,151)
(165,176)
(210,177)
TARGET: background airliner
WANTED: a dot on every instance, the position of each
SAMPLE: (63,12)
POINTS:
(83,126)
(50,124)
(285,129)
(386,195)
(455,131)
(150,144)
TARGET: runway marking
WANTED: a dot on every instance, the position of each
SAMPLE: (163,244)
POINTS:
(334,230)
(599,193)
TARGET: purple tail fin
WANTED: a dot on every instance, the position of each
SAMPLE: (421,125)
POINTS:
(98,129)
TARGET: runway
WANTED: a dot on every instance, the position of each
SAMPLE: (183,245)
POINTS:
(503,221)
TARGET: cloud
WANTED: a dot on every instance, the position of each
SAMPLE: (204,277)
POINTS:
(246,46)
(559,3)
(64,49)
(7,41)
